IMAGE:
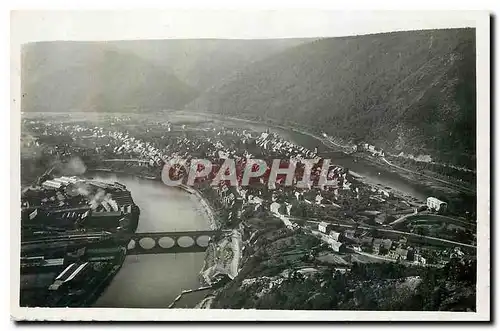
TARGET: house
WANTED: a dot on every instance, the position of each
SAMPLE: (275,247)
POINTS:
(335,235)
(376,245)
(380,219)
(419,259)
(456,253)
(324,227)
(403,241)
(381,246)
(50,184)
(349,234)
(275,207)
(376,151)
(387,243)
(399,254)
(436,204)
(337,246)
(384,192)
(367,241)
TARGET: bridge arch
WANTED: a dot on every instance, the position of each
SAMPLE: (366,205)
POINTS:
(169,242)
(147,243)
(203,240)
(166,242)
(185,241)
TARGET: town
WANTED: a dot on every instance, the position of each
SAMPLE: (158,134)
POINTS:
(352,221)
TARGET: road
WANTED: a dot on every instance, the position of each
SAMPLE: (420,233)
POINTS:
(386,259)
(327,142)
(401,219)
(435,218)
(409,234)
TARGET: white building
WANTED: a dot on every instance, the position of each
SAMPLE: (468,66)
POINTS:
(337,246)
(436,204)
(334,235)
(275,207)
(51,184)
(324,227)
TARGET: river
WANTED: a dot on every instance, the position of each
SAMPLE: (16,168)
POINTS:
(372,173)
(153,281)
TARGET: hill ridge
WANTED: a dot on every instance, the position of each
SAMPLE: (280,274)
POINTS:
(356,88)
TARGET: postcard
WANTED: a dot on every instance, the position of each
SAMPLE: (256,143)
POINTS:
(238,165)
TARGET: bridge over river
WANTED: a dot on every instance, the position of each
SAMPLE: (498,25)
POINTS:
(170,242)
(138,243)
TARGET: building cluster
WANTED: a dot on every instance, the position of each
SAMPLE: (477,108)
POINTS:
(366,147)
(154,148)
(363,242)
(348,199)
(76,203)
(82,270)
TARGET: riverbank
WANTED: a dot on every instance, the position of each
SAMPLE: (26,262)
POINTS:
(413,200)
(121,172)
(184,292)
(400,185)
(214,225)
(337,145)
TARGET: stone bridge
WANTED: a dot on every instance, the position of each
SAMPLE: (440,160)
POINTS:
(170,242)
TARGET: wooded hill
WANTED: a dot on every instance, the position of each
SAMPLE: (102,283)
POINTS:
(131,75)
(404,91)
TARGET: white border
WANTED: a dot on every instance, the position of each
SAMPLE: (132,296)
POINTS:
(254,24)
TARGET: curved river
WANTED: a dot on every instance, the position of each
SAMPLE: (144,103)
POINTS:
(153,281)
(373,173)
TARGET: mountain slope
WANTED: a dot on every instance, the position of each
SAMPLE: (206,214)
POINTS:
(121,75)
(202,63)
(403,91)
(70,77)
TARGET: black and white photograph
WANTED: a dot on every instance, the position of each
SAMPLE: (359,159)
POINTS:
(332,172)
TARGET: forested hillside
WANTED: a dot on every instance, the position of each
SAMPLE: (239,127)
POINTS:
(203,63)
(411,92)
(403,91)
(73,77)
(132,75)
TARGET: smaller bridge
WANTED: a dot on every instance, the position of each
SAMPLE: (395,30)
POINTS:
(170,242)
(126,160)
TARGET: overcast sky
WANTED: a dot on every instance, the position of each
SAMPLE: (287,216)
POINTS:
(29,26)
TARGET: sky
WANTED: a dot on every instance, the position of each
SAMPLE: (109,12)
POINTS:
(30,26)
